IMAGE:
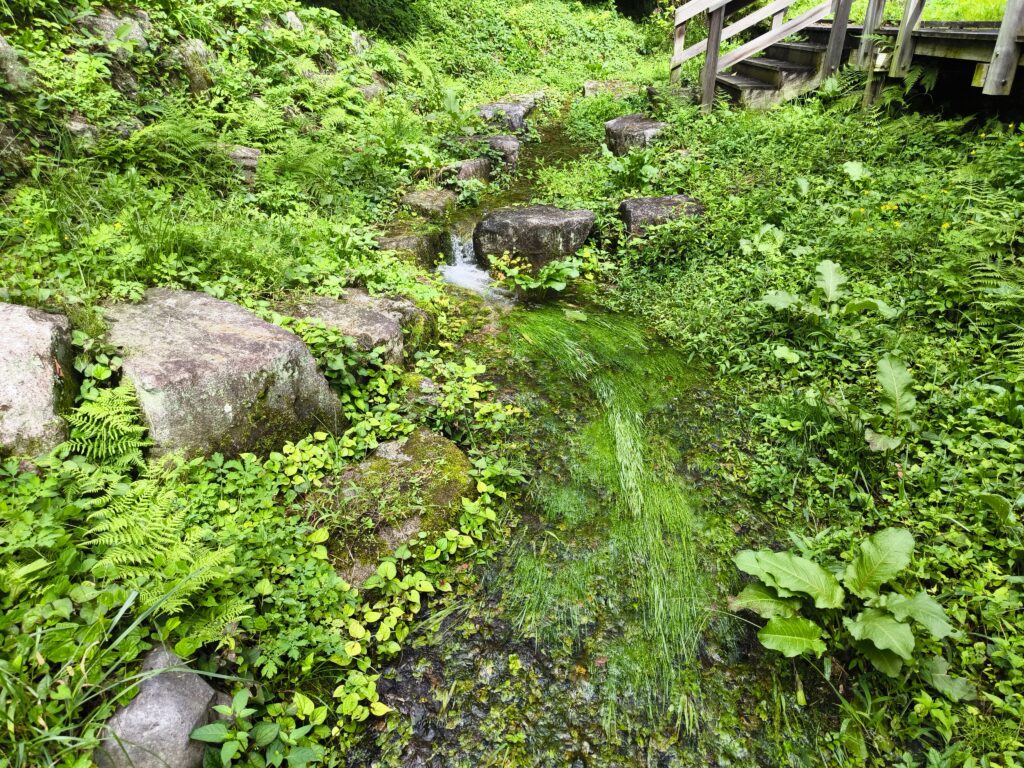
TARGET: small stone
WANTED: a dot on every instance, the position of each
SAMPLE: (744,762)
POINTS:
(372,91)
(510,115)
(291,20)
(37,379)
(13,154)
(508,147)
(540,232)
(128,30)
(213,377)
(247,159)
(424,248)
(611,87)
(406,486)
(81,130)
(477,168)
(194,57)
(360,44)
(154,729)
(17,76)
(624,133)
(374,322)
(642,212)
(432,203)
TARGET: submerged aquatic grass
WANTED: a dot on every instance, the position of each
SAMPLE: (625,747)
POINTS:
(615,568)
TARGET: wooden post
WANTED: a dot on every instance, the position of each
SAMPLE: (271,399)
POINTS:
(777,19)
(837,39)
(678,46)
(1007,53)
(872,21)
(903,53)
(707,77)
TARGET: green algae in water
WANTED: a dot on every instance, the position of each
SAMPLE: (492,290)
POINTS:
(613,567)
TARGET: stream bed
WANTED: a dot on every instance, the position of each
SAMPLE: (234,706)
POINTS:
(597,637)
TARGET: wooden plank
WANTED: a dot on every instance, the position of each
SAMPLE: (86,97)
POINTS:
(778,8)
(777,19)
(679,41)
(837,37)
(710,72)
(868,46)
(696,7)
(903,53)
(1007,53)
(980,73)
(771,37)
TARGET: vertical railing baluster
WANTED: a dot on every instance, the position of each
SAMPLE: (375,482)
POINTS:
(716,20)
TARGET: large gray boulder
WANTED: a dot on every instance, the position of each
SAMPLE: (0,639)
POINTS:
(194,58)
(16,76)
(432,203)
(130,30)
(153,729)
(211,376)
(642,212)
(624,133)
(397,326)
(540,232)
(37,381)
(509,115)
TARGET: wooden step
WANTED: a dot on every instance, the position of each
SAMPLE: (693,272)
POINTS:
(820,33)
(805,54)
(776,72)
(747,91)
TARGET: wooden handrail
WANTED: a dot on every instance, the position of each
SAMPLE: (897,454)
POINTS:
(696,7)
(773,36)
(772,10)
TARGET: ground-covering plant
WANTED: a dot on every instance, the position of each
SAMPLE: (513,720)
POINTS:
(855,281)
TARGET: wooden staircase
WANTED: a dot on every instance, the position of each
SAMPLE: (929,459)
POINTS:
(783,71)
(794,56)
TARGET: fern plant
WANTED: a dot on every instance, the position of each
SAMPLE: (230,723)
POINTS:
(108,430)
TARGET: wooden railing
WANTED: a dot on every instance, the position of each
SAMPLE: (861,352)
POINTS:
(717,10)
(996,77)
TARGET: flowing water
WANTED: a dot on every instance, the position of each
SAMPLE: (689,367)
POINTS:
(592,640)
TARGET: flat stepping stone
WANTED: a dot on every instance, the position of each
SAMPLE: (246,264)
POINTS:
(247,161)
(154,729)
(374,322)
(406,486)
(37,382)
(510,115)
(431,203)
(541,233)
(624,133)
(211,376)
(424,248)
(642,212)
(477,168)
(616,88)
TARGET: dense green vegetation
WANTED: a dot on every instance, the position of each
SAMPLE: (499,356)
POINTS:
(818,383)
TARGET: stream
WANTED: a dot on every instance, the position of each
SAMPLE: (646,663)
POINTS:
(592,639)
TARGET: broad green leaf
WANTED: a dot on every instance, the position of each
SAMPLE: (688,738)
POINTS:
(214,733)
(886,662)
(936,671)
(882,629)
(263,733)
(1000,505)
(749,562)
(897,387)
(855,170)
(318,536)
(300,757)
(793,573)
(792,637)
(782,352)
(880,443)
(781,300)
(830,280)
(882,555)
(764,602)
(924,609)
(857,306)
(228,750)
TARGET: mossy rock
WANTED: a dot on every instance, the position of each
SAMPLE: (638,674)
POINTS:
(406,486)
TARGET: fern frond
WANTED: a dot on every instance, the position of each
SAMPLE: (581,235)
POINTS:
(108,430)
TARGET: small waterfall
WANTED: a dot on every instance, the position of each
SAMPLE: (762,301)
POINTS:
(463,269)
